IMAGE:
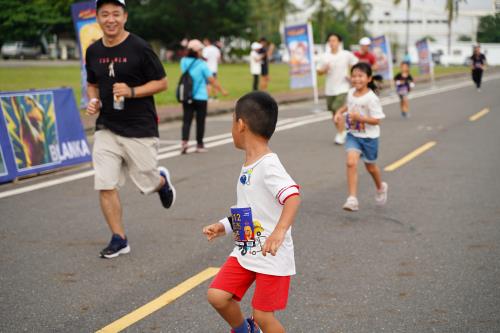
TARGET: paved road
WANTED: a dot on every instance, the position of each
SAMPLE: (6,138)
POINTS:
(426,262)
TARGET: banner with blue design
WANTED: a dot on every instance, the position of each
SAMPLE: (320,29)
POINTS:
(381,48)
(300,45)
(40,130)
(424,57)
(87,32)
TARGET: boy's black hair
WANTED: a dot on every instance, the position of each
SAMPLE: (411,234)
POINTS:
(100,3)
(334,34)
(259,111)
(367,69)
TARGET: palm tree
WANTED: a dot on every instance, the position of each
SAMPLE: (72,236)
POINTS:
(322,7)
(359,11)
(408,6)
(452,8)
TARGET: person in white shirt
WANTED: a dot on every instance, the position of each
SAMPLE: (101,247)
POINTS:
(336,64)
(212,56)
(364,113)
(267,203)
(255,64)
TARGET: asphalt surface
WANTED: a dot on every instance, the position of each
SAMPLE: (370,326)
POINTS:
(428,261)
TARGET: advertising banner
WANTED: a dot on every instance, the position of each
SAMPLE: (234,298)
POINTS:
(424,57)
(87,31)
(41,130)
(381,48)
(299,42)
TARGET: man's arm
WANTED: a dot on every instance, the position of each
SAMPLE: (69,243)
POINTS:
(148,89)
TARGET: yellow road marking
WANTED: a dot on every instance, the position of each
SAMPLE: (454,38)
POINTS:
(410,156)
(159,302)
(478,115)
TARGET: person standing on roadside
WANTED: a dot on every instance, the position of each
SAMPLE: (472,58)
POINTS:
(255,64)
(212,56)
(478,64)
(201,75)
(266,53)
(336,64)
(123,74)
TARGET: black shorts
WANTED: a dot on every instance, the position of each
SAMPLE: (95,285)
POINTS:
(265,70)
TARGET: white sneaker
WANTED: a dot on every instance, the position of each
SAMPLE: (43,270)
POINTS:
(381,195)
(340,138)
(351,204)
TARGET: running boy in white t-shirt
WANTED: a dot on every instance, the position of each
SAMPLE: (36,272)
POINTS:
(364,113)
(267,202)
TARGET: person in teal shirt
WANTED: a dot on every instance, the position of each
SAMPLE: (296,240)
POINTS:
(201,75)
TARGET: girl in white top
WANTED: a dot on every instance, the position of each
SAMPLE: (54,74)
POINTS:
(363,114)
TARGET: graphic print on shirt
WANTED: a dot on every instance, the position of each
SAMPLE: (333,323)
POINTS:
(245,177)
(111,68)
(246,231)
(354,125)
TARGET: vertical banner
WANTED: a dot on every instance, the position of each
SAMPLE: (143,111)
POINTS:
(40,130)
(424,57)
(87,32)
(298,40)
(381,48)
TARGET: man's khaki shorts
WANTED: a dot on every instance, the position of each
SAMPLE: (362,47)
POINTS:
(333,103)
(114,156)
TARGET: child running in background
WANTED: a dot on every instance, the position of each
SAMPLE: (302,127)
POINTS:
(364,112)
(404,83)
(267,202)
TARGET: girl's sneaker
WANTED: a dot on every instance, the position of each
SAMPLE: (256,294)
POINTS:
(351,204)
(381,195)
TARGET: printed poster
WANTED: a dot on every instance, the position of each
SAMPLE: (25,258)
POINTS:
(87,32)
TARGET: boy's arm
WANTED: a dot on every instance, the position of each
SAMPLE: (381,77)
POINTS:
(274,241)
(223,227)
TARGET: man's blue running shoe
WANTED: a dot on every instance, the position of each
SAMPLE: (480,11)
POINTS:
(167,192)
(116,246)
(253,326)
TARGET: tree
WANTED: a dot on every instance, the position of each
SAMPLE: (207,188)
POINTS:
(489,29)
(452,9)
(407,38)
(29,20)
(334,21)
(171,21)
(358,11)
(320,15)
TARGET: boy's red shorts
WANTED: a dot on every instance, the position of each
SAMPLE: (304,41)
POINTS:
(271,291)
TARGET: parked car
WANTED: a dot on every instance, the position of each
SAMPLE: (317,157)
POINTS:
(21,50)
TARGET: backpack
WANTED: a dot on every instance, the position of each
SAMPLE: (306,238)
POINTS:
(184,92)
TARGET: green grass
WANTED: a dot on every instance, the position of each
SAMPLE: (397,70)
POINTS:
(235,78)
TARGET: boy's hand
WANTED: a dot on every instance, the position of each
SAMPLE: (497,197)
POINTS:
(214,230)
(273,242)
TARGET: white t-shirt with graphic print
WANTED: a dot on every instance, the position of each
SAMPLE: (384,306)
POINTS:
(367,105)
(264,186)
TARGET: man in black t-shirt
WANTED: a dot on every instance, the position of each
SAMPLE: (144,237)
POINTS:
(123,74)
(478,63)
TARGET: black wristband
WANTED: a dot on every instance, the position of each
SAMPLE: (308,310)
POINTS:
(132,92)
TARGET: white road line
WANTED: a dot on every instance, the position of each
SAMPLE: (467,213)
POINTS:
(223,139)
